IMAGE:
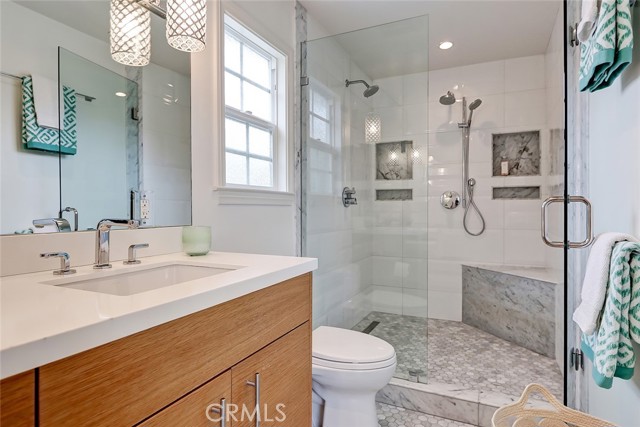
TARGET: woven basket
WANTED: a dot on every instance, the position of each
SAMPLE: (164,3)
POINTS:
(557,415)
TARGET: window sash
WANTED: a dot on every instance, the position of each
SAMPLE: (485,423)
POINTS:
(248,155)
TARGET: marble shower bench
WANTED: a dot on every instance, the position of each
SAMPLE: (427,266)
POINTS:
(522,305)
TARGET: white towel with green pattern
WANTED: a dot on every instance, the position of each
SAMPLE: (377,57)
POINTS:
(610,348)
(609,51)
(35,137)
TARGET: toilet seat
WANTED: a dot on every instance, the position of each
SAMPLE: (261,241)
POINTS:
(353,366)
(345,349)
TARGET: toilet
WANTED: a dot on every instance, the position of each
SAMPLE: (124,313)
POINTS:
(349,368)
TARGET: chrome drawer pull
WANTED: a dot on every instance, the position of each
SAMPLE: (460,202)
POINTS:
(222,411)
(256,384)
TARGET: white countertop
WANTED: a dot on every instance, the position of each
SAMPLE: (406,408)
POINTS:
(41,323)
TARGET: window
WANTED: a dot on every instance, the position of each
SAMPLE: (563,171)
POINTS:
(323,140)
(254,121)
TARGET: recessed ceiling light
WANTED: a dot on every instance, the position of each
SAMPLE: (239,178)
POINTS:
(446,45)
(121,94)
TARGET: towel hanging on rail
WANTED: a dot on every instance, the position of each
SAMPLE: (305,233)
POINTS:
(35,137)
(609,50)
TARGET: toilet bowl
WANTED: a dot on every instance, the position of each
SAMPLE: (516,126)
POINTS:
(349,368)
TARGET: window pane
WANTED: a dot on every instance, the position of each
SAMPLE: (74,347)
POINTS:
(319,129)
(232,95)
(260,172)
(256,67)
(320,160)
(260,142)
(257,101)
(320,105)
(236,169)
(231,53)
(235,135)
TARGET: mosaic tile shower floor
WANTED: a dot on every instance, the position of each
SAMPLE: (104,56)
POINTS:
(393,416)
(460,354)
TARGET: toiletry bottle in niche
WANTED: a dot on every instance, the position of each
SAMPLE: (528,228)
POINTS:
(504,167)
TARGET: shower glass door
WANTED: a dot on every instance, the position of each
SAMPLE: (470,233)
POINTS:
(365,111)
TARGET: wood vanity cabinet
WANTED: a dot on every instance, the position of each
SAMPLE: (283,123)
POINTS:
(17,400)
(168,375)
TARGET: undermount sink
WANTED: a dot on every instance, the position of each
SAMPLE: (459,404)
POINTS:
(141,280)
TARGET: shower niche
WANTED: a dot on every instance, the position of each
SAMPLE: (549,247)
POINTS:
(519,150)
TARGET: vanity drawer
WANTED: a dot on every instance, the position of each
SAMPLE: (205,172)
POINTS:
(123,382)
(192,410)
(17,400)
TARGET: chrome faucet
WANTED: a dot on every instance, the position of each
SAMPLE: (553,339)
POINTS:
(102,239)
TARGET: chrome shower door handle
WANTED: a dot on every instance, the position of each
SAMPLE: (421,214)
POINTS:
(543,227)
(256,384)
(589,223)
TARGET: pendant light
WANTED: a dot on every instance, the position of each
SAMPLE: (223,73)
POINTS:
(372,128)
(187,24)
(130,33)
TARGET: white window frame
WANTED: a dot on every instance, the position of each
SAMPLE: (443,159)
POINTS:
(279,126)
(331,147)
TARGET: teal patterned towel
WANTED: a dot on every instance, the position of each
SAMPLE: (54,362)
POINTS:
(609,51)
(610,347)
(35,137)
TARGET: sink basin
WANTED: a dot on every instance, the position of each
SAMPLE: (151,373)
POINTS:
(135,282)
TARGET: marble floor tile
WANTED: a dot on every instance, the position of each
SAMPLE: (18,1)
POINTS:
(393,416)
(448,352)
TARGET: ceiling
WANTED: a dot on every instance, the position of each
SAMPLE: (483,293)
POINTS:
(481,31)
(92,18)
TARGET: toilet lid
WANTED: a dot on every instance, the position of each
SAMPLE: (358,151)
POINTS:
(347,346)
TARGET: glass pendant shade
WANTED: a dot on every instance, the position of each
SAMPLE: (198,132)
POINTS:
(372,128)
(187,24)
(130,33)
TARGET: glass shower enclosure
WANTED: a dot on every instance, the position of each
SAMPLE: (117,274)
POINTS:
(364,174)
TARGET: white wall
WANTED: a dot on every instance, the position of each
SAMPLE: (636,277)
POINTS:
(514,99)
(400,242)
(166,145)
(242,221)
(340,237)
(101,134)
(614,191)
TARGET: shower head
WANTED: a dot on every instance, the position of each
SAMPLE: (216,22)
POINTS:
(448,99)
(475,104)
(369,91)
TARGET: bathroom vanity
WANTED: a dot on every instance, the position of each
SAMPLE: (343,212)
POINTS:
(172,356)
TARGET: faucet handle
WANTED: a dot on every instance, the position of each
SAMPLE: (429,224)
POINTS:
(132,253)
(65,262)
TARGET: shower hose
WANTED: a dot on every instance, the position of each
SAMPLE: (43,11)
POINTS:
(472,204)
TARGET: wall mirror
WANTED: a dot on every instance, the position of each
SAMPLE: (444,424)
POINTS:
(124,132)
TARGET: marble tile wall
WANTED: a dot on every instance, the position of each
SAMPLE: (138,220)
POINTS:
(394,195)
(518,309)
(516,193)
(521,151)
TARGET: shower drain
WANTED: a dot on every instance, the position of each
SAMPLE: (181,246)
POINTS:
(371,327)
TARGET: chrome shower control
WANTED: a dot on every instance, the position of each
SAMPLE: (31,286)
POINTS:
(348,198)
(450,200)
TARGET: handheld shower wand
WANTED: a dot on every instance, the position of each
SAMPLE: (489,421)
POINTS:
(468,184)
